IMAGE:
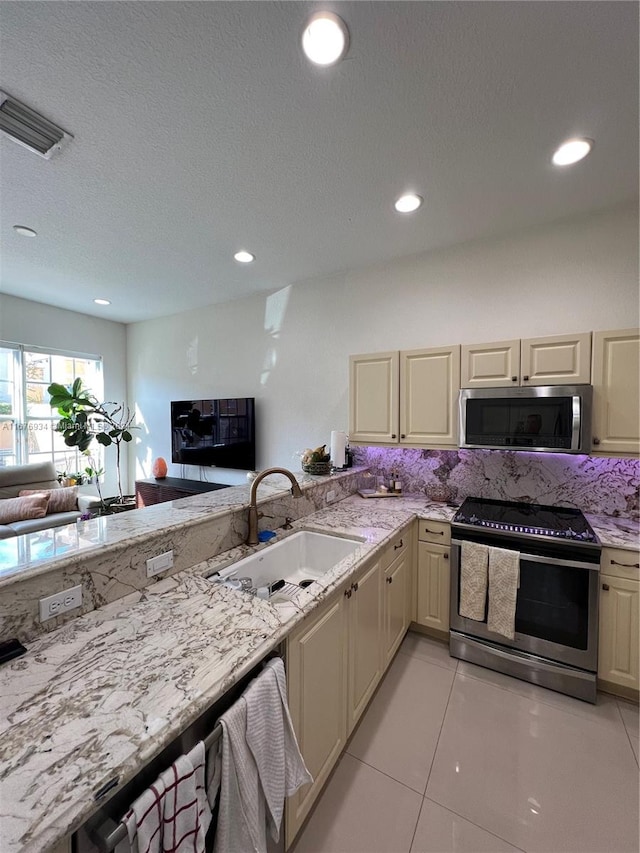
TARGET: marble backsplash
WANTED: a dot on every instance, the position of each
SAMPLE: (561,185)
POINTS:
(593,484)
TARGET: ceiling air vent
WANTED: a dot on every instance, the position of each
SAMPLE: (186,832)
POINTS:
(29,128)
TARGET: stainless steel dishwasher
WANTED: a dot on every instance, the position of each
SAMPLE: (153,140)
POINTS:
(100,833)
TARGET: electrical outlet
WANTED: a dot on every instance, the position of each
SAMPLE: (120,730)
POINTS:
(331,496)
(61,602)
(159,564)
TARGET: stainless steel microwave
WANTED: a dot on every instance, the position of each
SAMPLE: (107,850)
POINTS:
(546,418)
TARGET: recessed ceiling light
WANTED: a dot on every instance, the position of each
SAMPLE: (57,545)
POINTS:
(571,151)
(244,257)
(24,231)
(408,203)
(102,302)
(325,39)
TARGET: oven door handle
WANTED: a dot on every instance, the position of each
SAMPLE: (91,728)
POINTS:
(553,561)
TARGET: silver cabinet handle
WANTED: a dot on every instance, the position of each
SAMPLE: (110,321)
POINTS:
(626,565)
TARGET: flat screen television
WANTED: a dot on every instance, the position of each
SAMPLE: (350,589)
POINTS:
(218,433)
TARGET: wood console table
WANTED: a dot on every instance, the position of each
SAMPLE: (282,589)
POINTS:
(150,492)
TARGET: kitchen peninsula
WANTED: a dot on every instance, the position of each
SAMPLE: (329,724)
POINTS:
(100,696)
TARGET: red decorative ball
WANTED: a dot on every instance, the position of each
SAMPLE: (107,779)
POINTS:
(159,469)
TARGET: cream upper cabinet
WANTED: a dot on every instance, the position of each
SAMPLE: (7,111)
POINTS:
(619,635)
(373,397)
(490,365)
(429,386)
(409,397)
(364,627)
(555,360)
(616,401)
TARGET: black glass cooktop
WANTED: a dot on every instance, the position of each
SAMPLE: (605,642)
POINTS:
(530,519)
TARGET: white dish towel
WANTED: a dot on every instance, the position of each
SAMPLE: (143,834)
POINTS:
(474,559)
(504,580)
(173,815)
(261,764)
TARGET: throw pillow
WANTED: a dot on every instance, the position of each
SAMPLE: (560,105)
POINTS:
(23,508)
(60,500)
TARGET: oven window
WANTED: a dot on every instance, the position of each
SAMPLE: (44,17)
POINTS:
(531,422)
(553,603)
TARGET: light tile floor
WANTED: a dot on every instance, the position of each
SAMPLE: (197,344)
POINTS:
(455,758)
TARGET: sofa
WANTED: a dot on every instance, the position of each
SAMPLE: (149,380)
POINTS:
(35,477)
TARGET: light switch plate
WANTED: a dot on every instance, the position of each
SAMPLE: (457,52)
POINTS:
(61,602)
(158,564)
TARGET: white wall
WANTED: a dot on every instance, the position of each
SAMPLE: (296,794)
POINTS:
(36,324)
(289,349)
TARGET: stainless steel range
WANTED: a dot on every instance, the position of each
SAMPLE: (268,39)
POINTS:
(556,618)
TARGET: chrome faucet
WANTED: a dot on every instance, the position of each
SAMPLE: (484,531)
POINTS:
(252,538)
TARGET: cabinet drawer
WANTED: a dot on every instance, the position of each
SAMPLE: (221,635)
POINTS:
(620,563)
(399,545)
(438,532)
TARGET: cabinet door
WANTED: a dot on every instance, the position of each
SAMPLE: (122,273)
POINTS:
(317,687)
(619,631)
(433,586)
(373,398)
(365,620)
(557,360)
(492,365)
(397,580)
(429,386)
(616,401)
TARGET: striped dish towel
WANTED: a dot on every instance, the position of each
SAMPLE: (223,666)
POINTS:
(173,815)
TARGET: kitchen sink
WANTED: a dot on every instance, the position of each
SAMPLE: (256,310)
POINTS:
(299,559)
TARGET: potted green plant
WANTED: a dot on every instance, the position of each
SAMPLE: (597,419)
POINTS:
(83,418)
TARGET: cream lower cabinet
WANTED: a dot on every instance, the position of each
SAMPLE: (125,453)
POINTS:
(619,634)
(335,660)
(433,576)
(397,592)
(616,396)
(364,634)
(317,687)
(334,664)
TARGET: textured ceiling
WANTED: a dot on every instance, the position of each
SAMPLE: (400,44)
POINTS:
(200,129)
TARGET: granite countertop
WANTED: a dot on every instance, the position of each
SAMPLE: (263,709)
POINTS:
(102,695)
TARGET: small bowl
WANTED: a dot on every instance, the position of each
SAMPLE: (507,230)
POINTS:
(439,493)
